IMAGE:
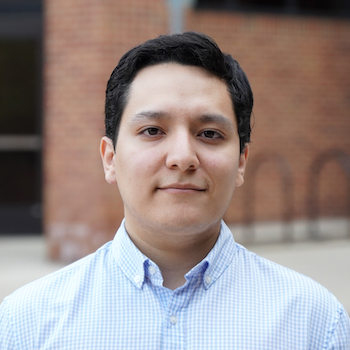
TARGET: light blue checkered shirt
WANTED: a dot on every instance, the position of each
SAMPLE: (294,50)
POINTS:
(114,299)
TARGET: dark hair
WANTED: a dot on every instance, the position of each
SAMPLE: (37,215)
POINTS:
(193,49)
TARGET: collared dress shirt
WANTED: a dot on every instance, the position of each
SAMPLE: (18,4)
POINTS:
(114,299)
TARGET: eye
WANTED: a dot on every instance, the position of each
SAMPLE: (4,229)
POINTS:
(211,134)
(152,131)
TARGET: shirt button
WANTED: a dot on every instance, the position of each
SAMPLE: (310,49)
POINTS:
(208,279)
(137,278)
(173,319)
(152,270)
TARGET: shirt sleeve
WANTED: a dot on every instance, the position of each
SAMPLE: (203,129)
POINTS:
(6,339)
(340,339)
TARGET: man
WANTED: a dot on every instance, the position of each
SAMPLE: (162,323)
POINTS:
(177,133)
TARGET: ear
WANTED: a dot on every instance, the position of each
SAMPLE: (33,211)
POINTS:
(243,159)
(107,155)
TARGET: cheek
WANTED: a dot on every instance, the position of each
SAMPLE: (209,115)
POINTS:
(136,165)
(223,168)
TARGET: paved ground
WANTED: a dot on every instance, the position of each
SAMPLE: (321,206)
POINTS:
(23,259)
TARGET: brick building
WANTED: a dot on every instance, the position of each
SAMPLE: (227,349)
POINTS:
(298,62)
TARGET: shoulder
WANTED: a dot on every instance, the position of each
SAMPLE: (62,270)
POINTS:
(42,304)
(275,276)
(60,286)
(295,298)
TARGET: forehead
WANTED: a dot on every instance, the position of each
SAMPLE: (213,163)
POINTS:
(174,75)
(171,88)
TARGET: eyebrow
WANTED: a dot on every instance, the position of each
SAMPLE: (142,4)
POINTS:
(218,119)
(205,118)
(148,115)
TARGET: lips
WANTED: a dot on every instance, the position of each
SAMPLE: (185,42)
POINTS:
(182,188)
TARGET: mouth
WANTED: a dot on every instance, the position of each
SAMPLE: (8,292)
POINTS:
(181,188)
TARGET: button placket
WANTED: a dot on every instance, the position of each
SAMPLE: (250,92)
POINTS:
(173,319)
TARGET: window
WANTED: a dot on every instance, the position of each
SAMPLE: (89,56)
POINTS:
(20,116)
(307,7)
(20,6)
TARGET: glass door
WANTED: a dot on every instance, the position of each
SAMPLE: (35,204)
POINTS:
(20,118)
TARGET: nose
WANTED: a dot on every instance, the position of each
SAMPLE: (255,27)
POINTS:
(182,153)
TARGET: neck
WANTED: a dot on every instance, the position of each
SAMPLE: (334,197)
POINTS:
(175,254)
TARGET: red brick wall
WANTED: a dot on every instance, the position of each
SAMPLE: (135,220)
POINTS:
(298,68)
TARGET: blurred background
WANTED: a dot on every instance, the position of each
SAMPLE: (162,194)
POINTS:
(55,60)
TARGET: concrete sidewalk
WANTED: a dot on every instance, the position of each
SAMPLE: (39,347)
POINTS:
(23,259)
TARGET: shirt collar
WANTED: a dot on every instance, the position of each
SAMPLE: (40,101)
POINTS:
(128,257)
(218,259)
(134,263)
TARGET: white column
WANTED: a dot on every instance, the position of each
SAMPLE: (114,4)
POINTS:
(176,10)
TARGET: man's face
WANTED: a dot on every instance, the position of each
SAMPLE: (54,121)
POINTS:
(177,160)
